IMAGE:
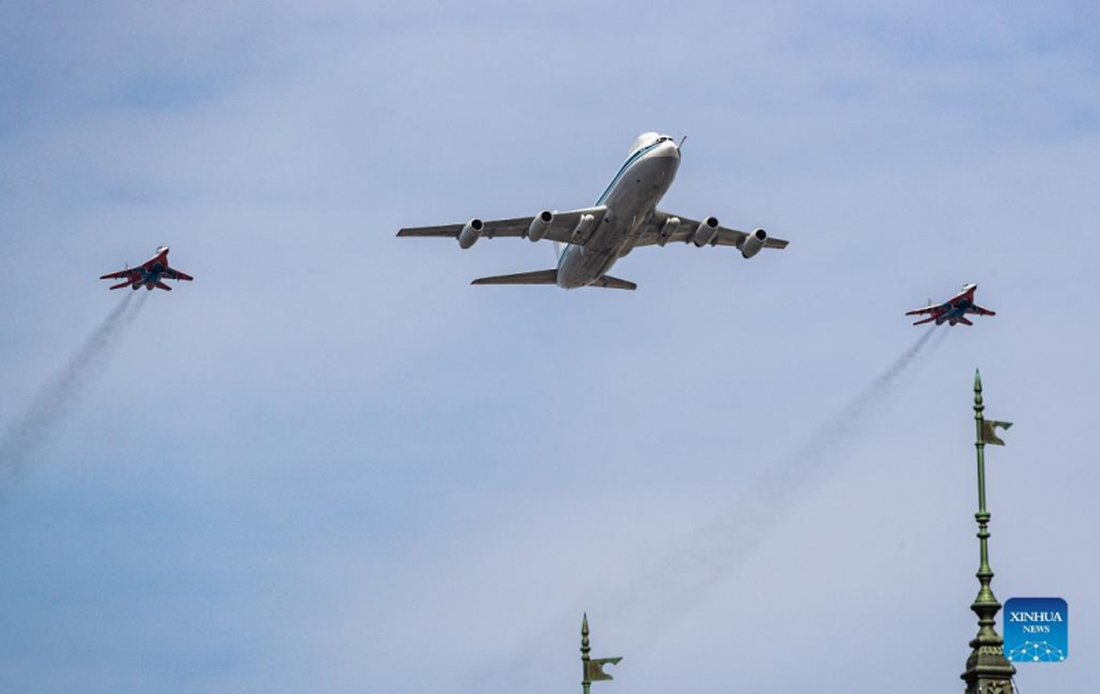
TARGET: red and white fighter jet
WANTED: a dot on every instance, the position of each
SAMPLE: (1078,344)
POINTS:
(954,310)
(149,274)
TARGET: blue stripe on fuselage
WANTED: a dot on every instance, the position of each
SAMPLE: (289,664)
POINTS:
(607,191)
(633,157)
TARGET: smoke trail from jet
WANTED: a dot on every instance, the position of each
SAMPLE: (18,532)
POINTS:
(56,399)
(680,580)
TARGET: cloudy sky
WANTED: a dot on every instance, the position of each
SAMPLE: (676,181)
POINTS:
(330,464)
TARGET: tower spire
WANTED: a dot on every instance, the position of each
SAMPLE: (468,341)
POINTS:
(585,650)
(987,669)
(593,667)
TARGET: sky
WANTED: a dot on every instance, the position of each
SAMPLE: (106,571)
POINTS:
(331,464)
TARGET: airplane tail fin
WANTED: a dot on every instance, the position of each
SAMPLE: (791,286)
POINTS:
(536,277)
(609,282)
(551,277)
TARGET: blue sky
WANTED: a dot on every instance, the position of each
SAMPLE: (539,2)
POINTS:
(331,464)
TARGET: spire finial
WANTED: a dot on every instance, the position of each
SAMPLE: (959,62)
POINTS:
(978,390)
(585,648)
(593,667)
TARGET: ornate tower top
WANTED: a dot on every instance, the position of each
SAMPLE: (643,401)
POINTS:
(987,669)
(592,667)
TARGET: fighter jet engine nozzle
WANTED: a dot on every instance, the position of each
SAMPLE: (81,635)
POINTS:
(470,233)
(705,232)
(539,225)
(753,243)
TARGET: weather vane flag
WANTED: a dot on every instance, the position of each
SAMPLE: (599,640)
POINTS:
(593,667)
(987,669)
(989,431)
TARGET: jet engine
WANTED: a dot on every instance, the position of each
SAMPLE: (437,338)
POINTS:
(470,233)
(704,233)
(539,225)
(670,227)
(753,243)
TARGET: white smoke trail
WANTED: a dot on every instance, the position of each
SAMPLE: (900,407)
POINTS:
(713,553)
(57,398)
(679,580)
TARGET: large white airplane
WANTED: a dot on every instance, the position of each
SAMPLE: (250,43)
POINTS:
(589,241)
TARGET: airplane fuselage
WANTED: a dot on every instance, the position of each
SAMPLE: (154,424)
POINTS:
(953,312)
(152,272)
(630,199)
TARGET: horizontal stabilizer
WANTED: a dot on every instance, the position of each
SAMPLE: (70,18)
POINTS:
(926,320)
(536,277)
(162,285)
(609,282)
(120,285)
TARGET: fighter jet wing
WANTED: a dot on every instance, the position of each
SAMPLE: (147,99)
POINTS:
(561,227)
(920,311)
(118,275)
(723,236)
(981,311)
(174,274)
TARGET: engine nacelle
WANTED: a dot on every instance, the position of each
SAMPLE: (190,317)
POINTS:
(540,225)
(584,224)
(671,226)
(705,232)
(470,233)
(753,243)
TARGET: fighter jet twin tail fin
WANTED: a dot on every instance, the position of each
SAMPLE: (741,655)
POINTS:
(551,277)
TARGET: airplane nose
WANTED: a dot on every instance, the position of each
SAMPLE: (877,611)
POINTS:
(667,149)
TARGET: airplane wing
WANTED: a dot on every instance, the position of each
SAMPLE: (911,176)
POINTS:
(118,275)
(926,309)
(561,227)
(174,274)
(981,311)
(723,236)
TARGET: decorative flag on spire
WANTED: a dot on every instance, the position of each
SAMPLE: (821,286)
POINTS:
(593,667)
(989,431)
